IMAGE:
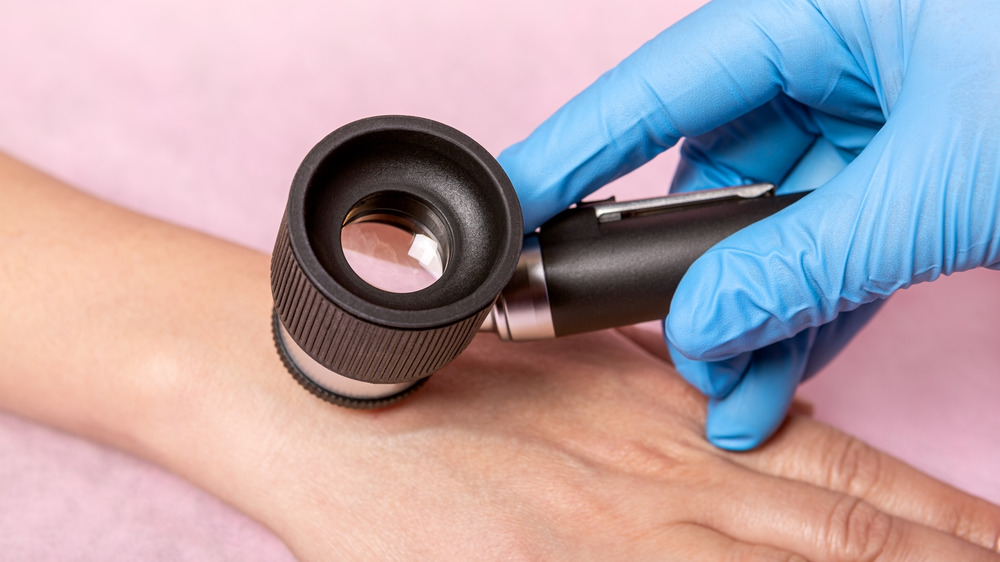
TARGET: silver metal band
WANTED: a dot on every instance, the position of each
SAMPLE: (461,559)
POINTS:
(333,381)
(522,312)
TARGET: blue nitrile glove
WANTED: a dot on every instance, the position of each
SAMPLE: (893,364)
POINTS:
(889,108)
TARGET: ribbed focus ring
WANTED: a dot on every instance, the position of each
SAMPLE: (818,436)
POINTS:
(350,346)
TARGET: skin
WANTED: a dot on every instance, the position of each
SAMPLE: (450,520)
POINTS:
(155,339)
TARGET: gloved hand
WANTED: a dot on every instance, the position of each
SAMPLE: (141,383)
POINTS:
(890,109)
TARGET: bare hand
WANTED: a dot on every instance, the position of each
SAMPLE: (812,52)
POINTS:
(588,447)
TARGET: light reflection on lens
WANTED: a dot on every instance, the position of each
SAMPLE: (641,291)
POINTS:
(391,257)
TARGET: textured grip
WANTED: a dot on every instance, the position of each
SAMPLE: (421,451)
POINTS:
(324,393)
(350,346)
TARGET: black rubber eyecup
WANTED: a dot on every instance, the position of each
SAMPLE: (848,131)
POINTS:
(393,166)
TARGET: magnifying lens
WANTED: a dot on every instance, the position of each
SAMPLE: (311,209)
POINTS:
(402,238)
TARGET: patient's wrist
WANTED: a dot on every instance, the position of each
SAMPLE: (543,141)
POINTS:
(224,413)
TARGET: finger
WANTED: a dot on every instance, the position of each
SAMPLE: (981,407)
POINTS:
(750,393)
(834,149)
(833,337)
(753,391)
(694,543)
(821,524)
(808,451)
(714,379)
(715,65)
(749,414)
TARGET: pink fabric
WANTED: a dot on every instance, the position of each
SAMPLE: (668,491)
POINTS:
(199,112)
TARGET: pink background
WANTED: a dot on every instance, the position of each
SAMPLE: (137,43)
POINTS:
(199,112)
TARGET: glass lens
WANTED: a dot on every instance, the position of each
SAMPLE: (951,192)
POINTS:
(390,256)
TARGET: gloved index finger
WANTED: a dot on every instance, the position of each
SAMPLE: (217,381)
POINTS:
(723,60)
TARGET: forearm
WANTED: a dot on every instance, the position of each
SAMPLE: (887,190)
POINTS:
(75,284)
(114,327)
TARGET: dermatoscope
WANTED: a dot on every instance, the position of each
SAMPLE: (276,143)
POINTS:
(423,192)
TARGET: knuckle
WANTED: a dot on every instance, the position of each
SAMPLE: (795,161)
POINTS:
(858,531)
(985,533)
(855,468)
(959,523)
(973,524)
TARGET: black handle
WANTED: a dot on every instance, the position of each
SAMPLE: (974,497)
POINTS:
(619,272)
